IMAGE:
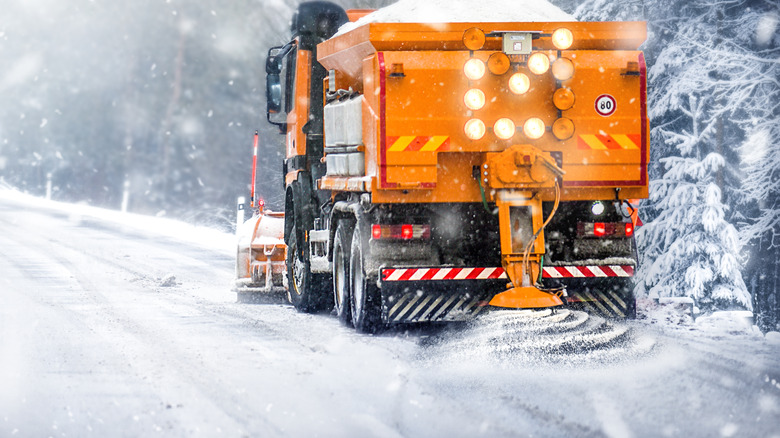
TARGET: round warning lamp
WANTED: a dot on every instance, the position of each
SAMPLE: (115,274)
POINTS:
(563,128)
(534,128)
(538,63)
(474,69)
(563,98)
(498,63)
(562,38)
(474,99)
(563,69)
(474,38)
(504,128)
(519,83)
(474,129)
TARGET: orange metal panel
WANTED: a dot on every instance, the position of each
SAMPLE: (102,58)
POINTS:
(299,116)
(607,151)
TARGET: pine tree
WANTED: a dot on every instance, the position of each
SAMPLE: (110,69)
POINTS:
(700,84)
(760,161)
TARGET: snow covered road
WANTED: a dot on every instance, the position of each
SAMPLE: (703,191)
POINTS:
(120,325)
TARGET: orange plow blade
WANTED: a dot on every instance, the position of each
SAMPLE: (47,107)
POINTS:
(525,297)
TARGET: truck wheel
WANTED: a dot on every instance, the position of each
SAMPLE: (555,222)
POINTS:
(366,301)
(308,292)
(341,257)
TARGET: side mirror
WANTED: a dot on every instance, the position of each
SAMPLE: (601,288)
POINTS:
(273,93)
(273,83)
(275,113)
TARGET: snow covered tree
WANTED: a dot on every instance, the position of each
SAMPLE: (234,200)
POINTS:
(705,81)
(760,160)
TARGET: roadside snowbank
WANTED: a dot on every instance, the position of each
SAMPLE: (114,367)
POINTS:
(203,236)
(457,11)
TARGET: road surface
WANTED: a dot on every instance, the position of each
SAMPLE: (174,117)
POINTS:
(119,325)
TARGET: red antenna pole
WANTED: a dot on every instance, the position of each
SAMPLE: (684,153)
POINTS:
(254,172)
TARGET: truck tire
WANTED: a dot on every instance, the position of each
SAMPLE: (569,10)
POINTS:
(342,245)
(366,299)
(308,292)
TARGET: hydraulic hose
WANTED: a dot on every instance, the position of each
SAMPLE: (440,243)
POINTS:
(527,252)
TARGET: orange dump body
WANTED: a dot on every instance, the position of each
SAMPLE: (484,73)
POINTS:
(412,81)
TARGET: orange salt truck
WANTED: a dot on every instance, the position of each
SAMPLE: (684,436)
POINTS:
(435,171)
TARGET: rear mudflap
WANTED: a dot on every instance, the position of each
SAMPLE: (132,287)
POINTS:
(610,298)
(437,300)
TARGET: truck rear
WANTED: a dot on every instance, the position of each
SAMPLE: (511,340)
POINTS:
(437,170)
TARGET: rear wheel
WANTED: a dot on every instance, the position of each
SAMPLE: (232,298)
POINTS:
(308,292)
(342,245)
(366,301)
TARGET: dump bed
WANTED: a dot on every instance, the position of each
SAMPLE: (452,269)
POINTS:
(414,117)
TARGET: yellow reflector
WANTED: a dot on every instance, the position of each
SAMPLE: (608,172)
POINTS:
(474,38)
(563,69)
(519,83)
(563,98)
(474,99)
(504,129)
(498,63)
(474,69)
(534,128)
(563,128)
(538,63)
(562,38)
(475,129)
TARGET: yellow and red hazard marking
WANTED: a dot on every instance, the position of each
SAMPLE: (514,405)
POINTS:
(437,274)
(606,142)
(411,143)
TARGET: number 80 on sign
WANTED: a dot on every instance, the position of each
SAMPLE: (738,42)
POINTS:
(605,105)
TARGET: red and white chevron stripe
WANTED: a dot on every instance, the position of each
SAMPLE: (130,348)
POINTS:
(422,274)
(588,271)
(418,274)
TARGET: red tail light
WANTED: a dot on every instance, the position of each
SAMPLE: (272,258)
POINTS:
(605,229)
(403,232)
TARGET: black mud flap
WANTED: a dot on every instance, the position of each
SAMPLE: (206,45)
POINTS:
(432,300)
(610,298)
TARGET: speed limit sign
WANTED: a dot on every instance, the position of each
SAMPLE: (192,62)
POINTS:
(605,105)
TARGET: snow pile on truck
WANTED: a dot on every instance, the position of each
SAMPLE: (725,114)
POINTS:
(457,11)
